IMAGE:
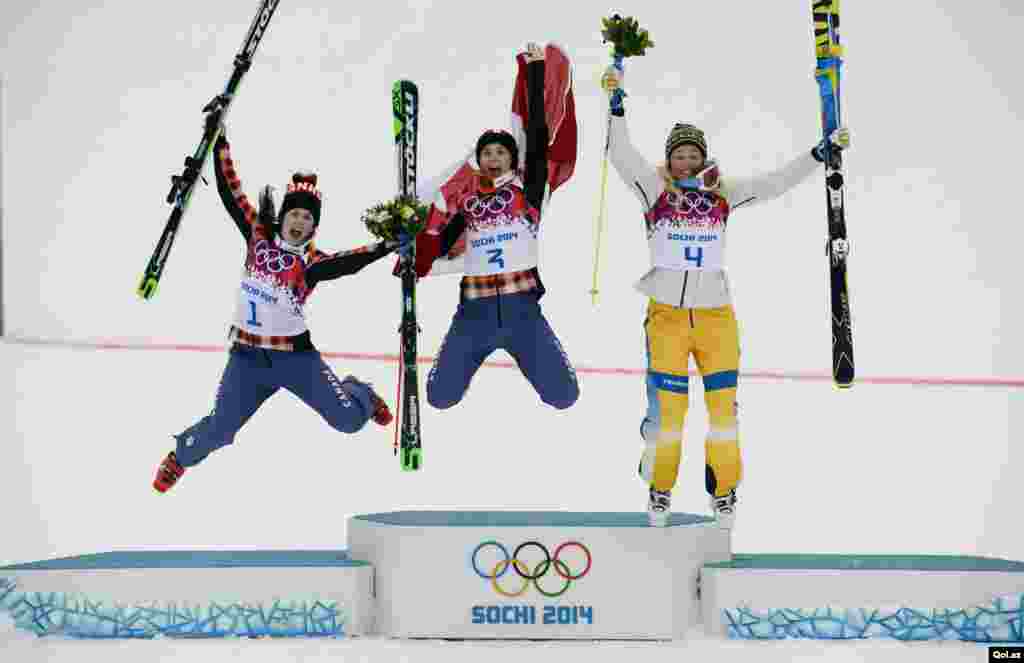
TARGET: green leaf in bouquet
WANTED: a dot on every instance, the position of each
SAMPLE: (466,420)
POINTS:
(389,219)
(626,36)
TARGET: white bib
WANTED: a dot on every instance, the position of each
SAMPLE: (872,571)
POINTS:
(265,309)
(688,232)
(685,248)
(510,248)
(499,238)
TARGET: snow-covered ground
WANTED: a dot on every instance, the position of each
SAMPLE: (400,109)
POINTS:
(100,103)
(904,472)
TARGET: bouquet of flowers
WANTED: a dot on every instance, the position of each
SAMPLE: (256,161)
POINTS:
(398,216)
(626,36)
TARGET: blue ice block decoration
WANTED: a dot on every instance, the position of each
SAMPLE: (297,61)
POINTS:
(1000,621)
(79,616)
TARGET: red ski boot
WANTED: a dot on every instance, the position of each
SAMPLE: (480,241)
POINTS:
(168,473)
(381,414)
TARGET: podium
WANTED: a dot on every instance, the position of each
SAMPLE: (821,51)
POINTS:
(519,575)
(492,574)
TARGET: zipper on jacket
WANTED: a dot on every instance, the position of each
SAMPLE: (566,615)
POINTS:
(647,201)
(692,326)
(682,296)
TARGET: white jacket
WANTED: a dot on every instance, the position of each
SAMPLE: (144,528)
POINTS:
(695,288)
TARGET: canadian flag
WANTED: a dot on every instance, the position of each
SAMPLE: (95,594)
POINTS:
(563,149)
(560,111)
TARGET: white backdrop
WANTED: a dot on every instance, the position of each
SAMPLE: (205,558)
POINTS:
(104,103)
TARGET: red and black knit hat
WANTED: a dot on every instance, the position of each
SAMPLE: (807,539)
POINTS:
(501,137)
(302,194)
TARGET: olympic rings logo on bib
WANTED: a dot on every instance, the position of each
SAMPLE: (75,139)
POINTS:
(273,260)
(477,206)
(691,202)
(529,575)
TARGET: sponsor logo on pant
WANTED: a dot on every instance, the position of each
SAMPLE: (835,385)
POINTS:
(339,392)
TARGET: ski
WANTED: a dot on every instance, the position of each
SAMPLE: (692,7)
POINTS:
(183,185)
(829,56)
(405,102)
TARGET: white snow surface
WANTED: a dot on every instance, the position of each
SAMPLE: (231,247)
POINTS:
(101,102)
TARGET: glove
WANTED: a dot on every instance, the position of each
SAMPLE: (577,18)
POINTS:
(214,113)
(615,102)
(213,121)
(840,140)
(267,208)
(428,248)
(405,245)
(611,82)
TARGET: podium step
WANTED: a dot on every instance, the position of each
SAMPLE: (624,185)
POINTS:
(191,594)
(535,575)
(829,597)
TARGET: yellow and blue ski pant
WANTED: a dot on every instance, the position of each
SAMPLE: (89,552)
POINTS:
(711,335)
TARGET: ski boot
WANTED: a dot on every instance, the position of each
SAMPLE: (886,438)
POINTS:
(659,506)
(168,473)
(381,415)
(724,507)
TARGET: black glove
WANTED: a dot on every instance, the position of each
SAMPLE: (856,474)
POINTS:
(268,212)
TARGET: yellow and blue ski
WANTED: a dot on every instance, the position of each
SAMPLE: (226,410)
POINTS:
(829,55)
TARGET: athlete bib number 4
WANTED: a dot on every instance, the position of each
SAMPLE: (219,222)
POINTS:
(687,232)
(684,248)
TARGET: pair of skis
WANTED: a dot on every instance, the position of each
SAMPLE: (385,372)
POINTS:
(182,185)
(829,55)
(405,106)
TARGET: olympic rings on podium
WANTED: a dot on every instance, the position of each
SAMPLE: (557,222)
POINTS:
(524,572)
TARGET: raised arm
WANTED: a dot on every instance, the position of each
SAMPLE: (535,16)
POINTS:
(634,170)
(229,186)
(535,166)
(744,191)
(741,192)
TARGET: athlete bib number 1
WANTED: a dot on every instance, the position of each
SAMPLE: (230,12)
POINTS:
(252,321)
(267,310)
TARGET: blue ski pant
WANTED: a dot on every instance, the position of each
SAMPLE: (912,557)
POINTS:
(513,323)
(253,375)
